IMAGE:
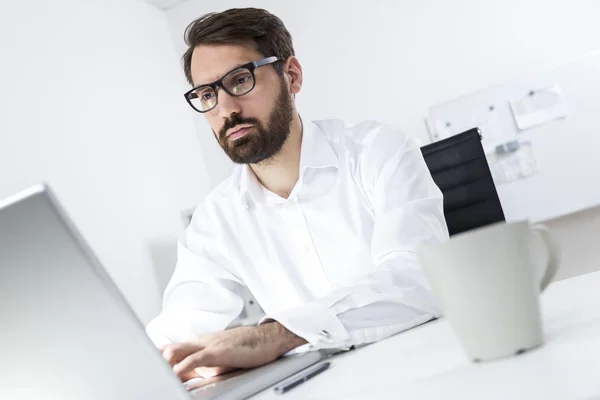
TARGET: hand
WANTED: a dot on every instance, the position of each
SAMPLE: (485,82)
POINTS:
(205,372)
(244,347)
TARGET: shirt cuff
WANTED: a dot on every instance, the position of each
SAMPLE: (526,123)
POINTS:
(154,332)
(318,325)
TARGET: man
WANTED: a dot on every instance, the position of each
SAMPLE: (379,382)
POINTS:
(320,220)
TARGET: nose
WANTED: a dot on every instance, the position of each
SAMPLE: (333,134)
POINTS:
(227,104)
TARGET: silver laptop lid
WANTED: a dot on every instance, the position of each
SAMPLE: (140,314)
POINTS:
(66,332)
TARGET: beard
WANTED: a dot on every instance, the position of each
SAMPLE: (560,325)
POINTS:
(261,142)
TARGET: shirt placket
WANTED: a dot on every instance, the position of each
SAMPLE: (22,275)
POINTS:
(305,249)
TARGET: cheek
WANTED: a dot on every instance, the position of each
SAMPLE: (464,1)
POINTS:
(258,104)
(214,121)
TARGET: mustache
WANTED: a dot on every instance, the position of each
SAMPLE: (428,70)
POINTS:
(234,121)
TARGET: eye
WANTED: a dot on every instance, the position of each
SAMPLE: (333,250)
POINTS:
(206,96)
(243,79)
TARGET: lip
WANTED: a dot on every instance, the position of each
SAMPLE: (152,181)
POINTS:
(238,132)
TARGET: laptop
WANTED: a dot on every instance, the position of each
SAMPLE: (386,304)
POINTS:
(67,332)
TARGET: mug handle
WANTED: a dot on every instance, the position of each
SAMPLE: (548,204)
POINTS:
(553,255)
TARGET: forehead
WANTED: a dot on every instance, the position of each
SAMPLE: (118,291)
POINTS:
(211,62)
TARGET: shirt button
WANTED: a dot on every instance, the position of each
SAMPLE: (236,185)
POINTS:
(306,249)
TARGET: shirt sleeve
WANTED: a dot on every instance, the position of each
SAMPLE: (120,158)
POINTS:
(408,212)
(204,294)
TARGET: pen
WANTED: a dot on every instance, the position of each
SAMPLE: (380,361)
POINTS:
(302,376)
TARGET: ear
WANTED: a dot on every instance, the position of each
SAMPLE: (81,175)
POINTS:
(293,71)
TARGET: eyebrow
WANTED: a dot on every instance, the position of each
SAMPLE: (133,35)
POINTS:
(220,77)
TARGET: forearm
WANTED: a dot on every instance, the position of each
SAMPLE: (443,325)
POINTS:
(274,333)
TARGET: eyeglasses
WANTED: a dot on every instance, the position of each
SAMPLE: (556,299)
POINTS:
(237,82)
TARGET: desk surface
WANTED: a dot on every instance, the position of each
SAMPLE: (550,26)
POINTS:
(428,363)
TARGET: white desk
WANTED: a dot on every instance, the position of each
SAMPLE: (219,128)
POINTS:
(427,362)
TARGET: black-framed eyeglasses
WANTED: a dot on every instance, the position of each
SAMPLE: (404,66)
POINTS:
(237,82)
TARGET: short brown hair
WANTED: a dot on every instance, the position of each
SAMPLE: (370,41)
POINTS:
(245,26)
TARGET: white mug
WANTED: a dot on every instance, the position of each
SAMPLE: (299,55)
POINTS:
(485,282)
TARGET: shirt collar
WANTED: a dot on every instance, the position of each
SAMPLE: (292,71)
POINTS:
(249,185)
(315,152)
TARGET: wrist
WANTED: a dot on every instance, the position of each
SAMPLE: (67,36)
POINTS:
(283,339)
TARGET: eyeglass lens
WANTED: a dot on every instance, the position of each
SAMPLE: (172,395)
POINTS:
(238,82)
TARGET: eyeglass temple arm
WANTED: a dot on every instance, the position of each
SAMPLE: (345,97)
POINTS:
(268,60)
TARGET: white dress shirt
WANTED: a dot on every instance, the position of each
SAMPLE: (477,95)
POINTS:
(334,263)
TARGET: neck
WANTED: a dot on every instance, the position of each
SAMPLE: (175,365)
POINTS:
(280,173)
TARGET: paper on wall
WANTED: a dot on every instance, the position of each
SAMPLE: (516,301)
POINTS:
(539,107)
(511,161)
(443,130)
(488,124)
(486,121)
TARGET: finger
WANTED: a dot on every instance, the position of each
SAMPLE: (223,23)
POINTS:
(191,375)
(202,358)
(177,352)
(174,353)
(209,372)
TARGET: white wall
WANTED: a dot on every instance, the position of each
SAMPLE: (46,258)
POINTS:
(91,102)
(391,60)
